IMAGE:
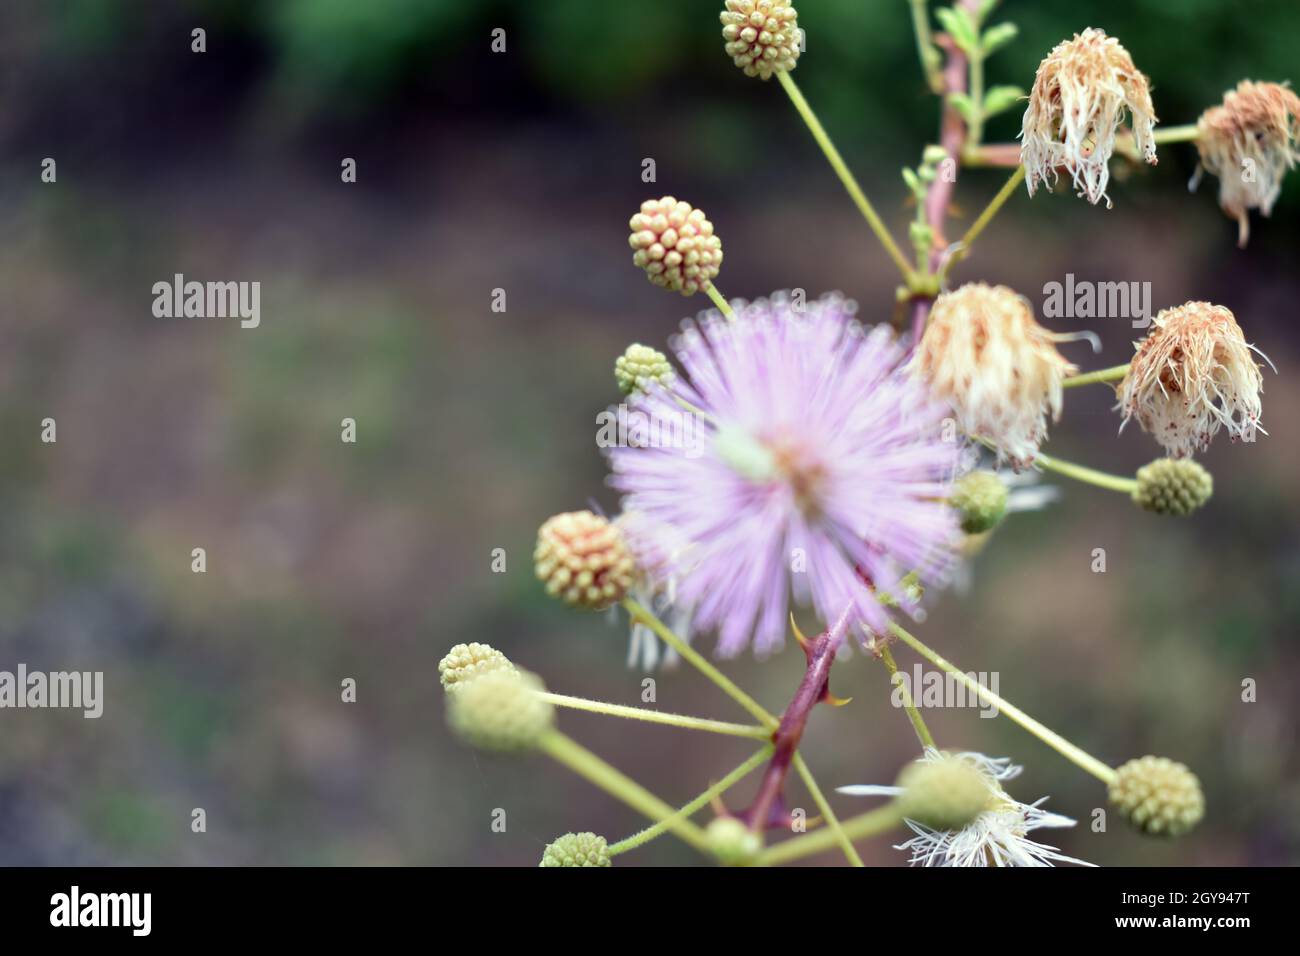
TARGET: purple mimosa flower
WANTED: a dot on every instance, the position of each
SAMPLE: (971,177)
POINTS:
(815,468)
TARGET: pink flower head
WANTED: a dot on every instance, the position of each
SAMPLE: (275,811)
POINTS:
(818,470)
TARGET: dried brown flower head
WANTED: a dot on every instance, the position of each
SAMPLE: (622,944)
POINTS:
(1081,93)
(1192,375)
(984,355)
(1249,143)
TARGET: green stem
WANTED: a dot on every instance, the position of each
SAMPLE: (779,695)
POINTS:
(975,130)
(1093,378)
(842,171)
(925,48)
(823,807)
(914,715)
(1089,475)
(726,783)
(699,663)
(587,765)
(985,217)
(873,823)
(1075,754)
(657,716)
(1177,134)
(723,305)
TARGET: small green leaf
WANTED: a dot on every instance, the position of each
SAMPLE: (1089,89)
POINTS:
(995,38)
(960,27)
(999,99)
(964,105)
(913,182)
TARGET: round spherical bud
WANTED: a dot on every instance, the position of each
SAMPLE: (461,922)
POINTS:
(733,843)
(583,560)
(464,662)
(1158,796)
(762,36)
(1173,486)
(577,849)
(675,245)
(503,711)
(944,794)
(640,365)
(981,499)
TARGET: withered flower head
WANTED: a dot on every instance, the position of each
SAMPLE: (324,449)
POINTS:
(1081,93)
(985,356)
(1249,143)
(1192,375)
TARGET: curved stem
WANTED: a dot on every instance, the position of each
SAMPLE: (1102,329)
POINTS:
(1072,753)
(587,765)
(925,49)
(1101,375)
(842,171)
(726,783)
(823,807)
(985,217)
(1088,475)
(914,715)
(722,304)
(696,660)
(1177,134)
(873,823)
(657,716)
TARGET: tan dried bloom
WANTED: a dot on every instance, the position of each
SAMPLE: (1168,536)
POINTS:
(984,355)
(762,35)
(1081,93)
(583,560)
(1192,375)
(675,245)
(1249,143)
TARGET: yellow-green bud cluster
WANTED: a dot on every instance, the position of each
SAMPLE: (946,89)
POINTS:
(577,849)
(465,662)
(1159,796)
(762,36)
(675,245)
(502,711)
(981,499)
(640,365)
(944,794)
(733,843)
(583,560)
(1173,486)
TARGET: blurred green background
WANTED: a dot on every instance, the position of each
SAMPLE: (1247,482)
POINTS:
(518,171)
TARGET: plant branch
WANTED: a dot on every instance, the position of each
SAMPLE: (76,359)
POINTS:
(1097,377)
(657,716)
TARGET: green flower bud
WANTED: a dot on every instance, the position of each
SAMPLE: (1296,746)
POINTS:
(1173,486)
(981,499)
(1158,796)
(944,794)
(639,366)
(464,662)
(733,843)
(501,711)
(577,849)
(583,560)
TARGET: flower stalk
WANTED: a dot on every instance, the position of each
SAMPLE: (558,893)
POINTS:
(657,716)
(1076,755)
(1112,374)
